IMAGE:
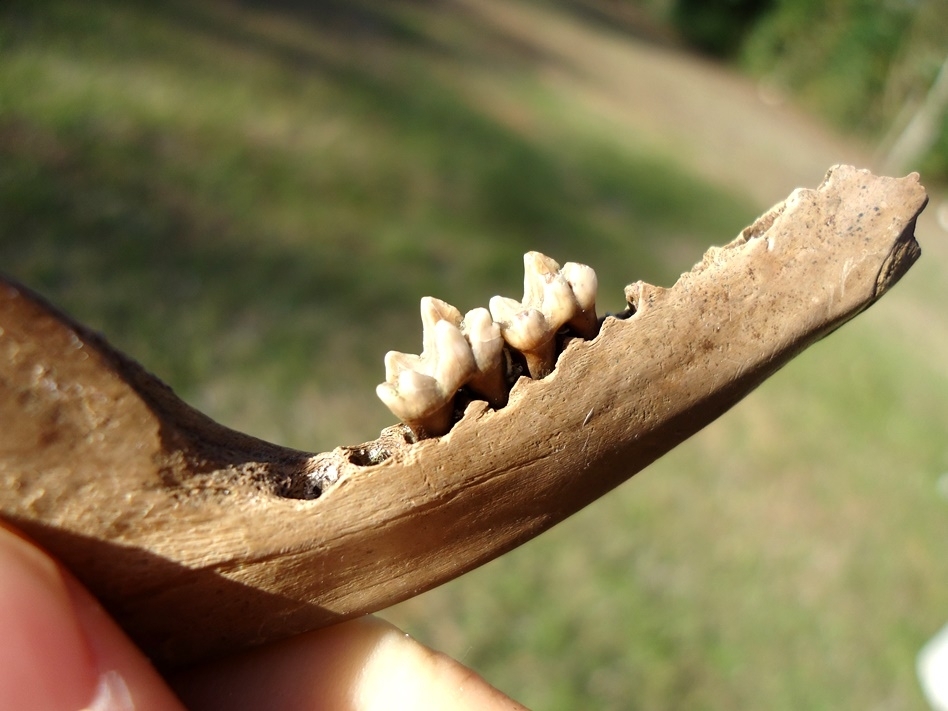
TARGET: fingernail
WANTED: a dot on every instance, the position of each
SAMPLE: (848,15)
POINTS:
(111,694)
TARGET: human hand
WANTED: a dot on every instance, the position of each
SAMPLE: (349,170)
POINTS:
(60,651)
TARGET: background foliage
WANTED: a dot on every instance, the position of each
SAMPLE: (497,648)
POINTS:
(867,65)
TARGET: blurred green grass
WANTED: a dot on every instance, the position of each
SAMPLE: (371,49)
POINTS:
(250,198)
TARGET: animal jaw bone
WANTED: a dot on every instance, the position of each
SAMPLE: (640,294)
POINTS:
(187,533)
(420,390)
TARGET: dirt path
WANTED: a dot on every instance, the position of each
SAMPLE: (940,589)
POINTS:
(714,120)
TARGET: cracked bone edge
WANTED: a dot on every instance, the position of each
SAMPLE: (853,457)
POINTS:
(420,390)
(487,345)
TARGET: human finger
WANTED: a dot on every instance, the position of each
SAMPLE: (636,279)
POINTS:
(361,665)
(59,650)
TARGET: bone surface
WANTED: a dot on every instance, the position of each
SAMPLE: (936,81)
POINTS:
(191,535)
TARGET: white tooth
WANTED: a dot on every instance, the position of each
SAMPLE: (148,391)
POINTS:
(538,269)
(418,401)
(469,350)
(504,309)
(410,395)
(396,362)
(432,311)
(484,336)
(558,305)
(488,347)
(420,390)
(585,284)
(527,331)
(522,329)
(455,363)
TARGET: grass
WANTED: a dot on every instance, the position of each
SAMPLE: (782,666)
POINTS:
(291,191)
(251,198)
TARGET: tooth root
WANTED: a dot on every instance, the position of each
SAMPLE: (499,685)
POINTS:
(585,324)
(541,359)
(491,385)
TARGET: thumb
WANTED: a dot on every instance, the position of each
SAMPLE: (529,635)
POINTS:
(59,650)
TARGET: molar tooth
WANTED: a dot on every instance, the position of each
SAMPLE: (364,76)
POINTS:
(420,390)
(565,296)
(552,298)
(527,330)
(487,345)
(418,401)
(584,285)
(410,394)
(454,362)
